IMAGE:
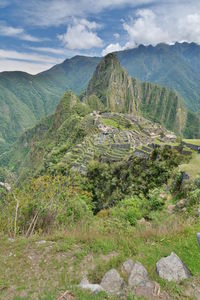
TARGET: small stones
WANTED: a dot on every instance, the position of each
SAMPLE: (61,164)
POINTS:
(112,282)
(172,268)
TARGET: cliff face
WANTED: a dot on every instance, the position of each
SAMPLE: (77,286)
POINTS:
(120,93)
(112,85)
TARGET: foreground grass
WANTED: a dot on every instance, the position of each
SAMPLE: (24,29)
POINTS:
(32,270)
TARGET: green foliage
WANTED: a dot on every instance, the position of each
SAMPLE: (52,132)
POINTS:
(110,183)
(51,201)
(129,210)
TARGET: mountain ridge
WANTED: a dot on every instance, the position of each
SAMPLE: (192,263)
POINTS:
(173,66)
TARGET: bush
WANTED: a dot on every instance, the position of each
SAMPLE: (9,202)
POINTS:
(129,210)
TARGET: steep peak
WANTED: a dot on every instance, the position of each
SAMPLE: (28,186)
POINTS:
(112,85)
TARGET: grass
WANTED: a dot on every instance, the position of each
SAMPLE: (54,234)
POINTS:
(113,123)
(192,168)
(44,271)
(192,141)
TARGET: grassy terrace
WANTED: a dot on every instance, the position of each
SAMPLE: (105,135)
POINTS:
(46,270)
(192,141)
(192,168)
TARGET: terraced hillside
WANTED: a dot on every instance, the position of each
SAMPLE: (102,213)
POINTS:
(75,135)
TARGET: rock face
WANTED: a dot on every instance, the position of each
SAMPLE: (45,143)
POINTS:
(112,282)
(127,267)
(138,276)
(172,268)
(94,288)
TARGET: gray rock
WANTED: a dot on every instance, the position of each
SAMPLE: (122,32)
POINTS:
(112,282)
(127,267)
(172,268)
(138,276)
(94,288)
(198,238)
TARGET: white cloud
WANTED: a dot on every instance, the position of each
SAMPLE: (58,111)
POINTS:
(16,32)
(145,29)
(81,35)
(57,12)
(149,27)
(15,55)
(116,35)
(33,63)
(112,48)
(48,50)
(29,67)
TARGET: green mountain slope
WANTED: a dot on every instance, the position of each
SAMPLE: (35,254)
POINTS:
(175,66)
(76,134)
(25,99)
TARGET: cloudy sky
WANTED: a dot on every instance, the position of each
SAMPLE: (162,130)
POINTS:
(36,34)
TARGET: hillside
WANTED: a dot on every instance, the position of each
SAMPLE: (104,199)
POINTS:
(175,66)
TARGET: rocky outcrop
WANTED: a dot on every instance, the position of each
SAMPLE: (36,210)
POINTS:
(172,268)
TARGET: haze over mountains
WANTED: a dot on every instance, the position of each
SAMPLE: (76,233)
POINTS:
(25,98)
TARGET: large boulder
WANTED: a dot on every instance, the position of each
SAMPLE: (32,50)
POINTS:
(138,276)
(112,282)
(94,288)
(172,268)
(127,267)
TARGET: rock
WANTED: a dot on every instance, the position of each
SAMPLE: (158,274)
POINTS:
(171,208)
(143,222)
(198,238)
(41,242)
(181,203)
(151,291)
(11,240)
(127,267)
(112,282)
(94,288)
(138,276)
(172,268)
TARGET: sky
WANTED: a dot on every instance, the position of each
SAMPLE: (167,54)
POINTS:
(37,34)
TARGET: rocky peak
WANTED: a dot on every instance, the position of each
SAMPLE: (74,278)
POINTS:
(112,85)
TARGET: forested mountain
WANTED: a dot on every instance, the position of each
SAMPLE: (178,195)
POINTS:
(25,98)
(76,133)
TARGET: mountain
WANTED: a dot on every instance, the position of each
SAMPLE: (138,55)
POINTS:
(174,66)
(25,98)
(76,134)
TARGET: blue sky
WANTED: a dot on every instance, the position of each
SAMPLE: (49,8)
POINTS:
(37,34)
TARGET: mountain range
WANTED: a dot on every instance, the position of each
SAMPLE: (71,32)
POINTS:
(110,120)
(25,98)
